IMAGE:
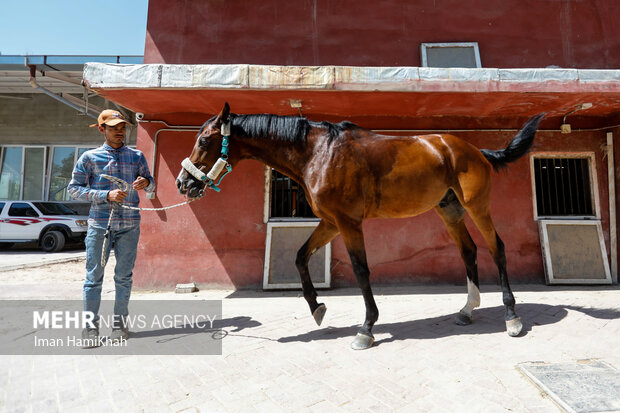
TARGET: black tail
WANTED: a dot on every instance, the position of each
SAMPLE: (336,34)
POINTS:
(518,146)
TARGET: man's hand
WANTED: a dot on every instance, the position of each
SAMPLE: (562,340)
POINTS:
(116,195)
(140,183)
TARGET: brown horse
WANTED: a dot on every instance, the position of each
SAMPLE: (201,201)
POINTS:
(350,174)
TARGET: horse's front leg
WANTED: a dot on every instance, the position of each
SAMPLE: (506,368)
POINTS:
(354,240)
(322,234)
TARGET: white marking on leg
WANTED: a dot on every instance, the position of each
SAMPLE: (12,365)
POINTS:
(473,298)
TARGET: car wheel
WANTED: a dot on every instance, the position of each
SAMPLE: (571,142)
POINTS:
(6,245)
(53,241)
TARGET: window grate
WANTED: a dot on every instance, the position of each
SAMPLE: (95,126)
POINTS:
(464,54)
(563,187)
(287,198)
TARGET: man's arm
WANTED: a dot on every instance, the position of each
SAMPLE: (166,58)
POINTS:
(143,171)
(78,187)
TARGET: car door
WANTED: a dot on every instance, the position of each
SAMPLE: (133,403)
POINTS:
(22,222)
(2,223)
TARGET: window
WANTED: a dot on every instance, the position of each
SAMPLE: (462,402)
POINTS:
(34,173)
(450,55)
(22,172)
(290,221)
(11,173)
(22,209)
(287,198)
(1,206)
(54,208)
(564,186)
(62,162)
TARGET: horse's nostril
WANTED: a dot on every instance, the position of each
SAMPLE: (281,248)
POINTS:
(193,192)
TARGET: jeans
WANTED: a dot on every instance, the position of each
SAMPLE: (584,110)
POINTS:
(125,244)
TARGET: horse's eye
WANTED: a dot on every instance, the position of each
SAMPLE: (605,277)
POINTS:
(203,142)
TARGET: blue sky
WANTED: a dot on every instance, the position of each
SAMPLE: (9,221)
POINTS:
(72,27)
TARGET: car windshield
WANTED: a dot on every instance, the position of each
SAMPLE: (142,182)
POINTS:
(53,208)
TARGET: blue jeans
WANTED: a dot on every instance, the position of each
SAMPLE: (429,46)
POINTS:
(125,244)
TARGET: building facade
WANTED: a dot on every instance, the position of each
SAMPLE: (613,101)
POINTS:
(476,69)
(45,114)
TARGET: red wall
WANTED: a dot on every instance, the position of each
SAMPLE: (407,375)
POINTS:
(221,239)
(218,240)
(510,33)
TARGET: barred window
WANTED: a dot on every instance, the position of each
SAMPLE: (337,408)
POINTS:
(287,198)
(563,187)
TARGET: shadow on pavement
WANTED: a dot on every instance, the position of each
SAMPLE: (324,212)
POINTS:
(486,321)
(219,331)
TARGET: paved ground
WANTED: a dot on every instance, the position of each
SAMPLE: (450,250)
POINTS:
(30,255)
(275,359)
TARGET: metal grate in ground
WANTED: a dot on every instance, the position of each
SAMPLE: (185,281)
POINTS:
(582,386)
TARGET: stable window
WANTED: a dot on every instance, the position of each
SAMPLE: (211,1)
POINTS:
(566,206)
(450,55)
(564,186)
(290,221)
(287,198)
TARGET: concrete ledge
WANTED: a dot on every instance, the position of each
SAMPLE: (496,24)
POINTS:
(265,77)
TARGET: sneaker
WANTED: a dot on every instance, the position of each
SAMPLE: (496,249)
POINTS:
(119,334)
(120,331)
(90,338)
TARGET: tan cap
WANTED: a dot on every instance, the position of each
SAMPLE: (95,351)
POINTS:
(109,117)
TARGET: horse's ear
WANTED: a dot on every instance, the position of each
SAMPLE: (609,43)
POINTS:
(222,117)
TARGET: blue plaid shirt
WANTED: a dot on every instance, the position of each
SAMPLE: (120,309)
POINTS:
(88,185)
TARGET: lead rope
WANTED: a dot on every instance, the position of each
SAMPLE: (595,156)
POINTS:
(208,179)
(125,187)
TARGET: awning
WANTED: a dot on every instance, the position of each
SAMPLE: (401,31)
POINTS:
(375,97)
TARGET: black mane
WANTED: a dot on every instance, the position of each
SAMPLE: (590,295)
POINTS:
(284,128)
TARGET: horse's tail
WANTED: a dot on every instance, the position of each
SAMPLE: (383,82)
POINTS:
(518,147)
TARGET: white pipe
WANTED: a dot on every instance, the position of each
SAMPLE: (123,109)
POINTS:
(611,179)
(168,128)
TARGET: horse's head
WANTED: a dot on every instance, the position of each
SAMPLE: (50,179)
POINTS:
(204,162)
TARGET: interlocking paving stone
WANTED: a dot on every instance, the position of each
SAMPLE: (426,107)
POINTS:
(275,358)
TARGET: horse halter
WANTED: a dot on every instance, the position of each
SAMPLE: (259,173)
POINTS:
(218,166)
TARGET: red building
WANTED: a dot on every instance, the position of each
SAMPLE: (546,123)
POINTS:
(477,69)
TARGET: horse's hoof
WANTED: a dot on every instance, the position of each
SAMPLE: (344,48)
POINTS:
(462,319)
(319,313)
(362,342)
(514,327)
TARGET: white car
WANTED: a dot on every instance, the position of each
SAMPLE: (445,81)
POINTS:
(50,224)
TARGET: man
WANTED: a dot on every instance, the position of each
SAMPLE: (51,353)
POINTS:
(115,159)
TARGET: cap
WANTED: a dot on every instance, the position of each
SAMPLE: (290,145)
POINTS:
(109,117)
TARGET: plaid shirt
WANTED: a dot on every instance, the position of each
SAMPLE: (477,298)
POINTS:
(87,184)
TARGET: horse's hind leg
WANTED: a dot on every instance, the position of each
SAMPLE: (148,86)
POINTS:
(322,234)
(483,221)
(452,213)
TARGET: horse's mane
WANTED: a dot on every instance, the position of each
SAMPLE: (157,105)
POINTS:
(292,129)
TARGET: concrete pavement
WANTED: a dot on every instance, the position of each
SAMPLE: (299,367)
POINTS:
(275,358)
(30,255)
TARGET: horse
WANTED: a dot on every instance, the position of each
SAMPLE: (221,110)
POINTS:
(350,174)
